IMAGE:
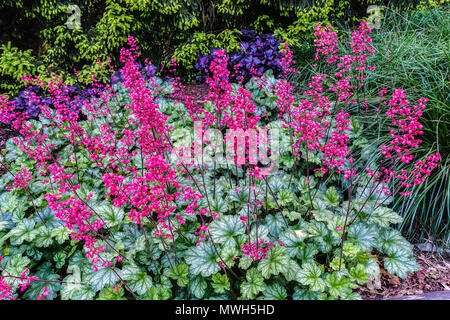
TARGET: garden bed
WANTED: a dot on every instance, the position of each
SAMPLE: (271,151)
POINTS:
(112,192)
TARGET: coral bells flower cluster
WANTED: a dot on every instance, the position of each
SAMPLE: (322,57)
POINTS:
(406,128)
(25,280)
(257,250)
(336,150)
(310,118)
(285,102)
(351,67)
(145,190)
(326,43)
(21,282)
(319,126)
(205,215)
(405,118)
(78,218)
(152,130)
(63,200)
(233,110)
(147,193)
(44,294)
(21,179)
(5,290)
(287,61)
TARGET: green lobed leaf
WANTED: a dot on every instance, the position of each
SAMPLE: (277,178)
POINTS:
(275,224)
(220,283)
(110,214)
(274,292)
(101,278)
(60,234)
(36,288)
(277,261)
(225,229)
(384,216)
(44,237)
(291,273)
(365,237)
(293,242)
(110,293)
(253,285)
(158,293)
(391,239)
(73,288)
(24,231)
(229,255)
(310,275)
(197,287)
(338,285)
(181,274)
(400,262)
(359,274)
(202,260)
(245,262)
(136,280)
(331,197)
(303,294)
(307,252)
(60,259)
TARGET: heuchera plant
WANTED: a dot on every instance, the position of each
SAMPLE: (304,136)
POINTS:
(259,53)
(32,97)
(114,205)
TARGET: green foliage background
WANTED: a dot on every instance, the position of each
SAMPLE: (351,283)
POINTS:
(35,38)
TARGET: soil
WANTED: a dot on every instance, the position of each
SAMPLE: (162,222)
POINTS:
(199,92)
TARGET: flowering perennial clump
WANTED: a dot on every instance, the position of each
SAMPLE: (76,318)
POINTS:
(128,221)
(258,250)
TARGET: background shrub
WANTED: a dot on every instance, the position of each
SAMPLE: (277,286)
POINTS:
(41,40)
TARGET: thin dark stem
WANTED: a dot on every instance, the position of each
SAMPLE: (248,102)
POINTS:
(148,247)
(276,201)
(348,213)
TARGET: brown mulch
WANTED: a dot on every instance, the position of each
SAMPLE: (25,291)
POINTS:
(198,91)
(434,275)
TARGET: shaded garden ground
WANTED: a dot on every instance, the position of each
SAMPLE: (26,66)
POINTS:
(434,275)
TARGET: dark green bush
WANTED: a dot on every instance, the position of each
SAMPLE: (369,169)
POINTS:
(41,39)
